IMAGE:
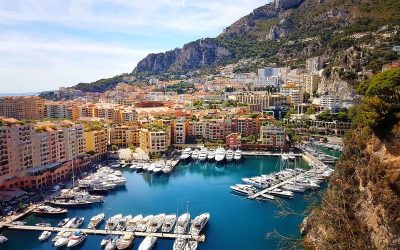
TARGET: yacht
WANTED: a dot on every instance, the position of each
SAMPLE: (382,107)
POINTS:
(169,223)
(198,223)
(243,189)
(159,167)
(3,238)
(203,154)
(142,226)
(265,197)
(112,244)
(122,223)
(105,240)
(77,238)
(220,154)
(77,222)
(229,155)
(70,203)
(132,223)
(195,154)
(74,194)
(182,223)
(68,224)
(168,168)
(95,221)
(44,235)
(281,193)
(43,224)
(148,243)
(155,223)
(63,239)
(211,155)
(125,241)
(48,210)
(186,153)
(179,244)
(191,245)
(238,155)
(293,188)
(112,222)
(152,167)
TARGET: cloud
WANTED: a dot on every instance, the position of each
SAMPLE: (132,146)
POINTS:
(45,44)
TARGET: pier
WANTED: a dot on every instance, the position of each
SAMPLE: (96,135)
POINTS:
(200,238)
(260,153)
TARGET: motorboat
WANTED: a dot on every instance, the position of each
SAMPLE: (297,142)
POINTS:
(238,155)
(148,243)
(220,154)
(112,244)
(281,193)
(63,240)
(18,223)
(182,223)
(265,197)
(3,239)
(70,203)
(44,235)
(76,238)
(142,226)
(158,168)
(132,223)
(152,167)
(48,210)
(43,224)
(95,221)
(293,188)
(125,241)
(246,190)
(191,245)
(168,168)
(155,223)
(68,224)
(291,156)
(195,154)
(179,243)
(211,155)
(105,240)
(229,155)
(203,154)
(75,194)
(122,223)
(112,222)
(169,223)
(198,223)
(186,153)
(77,222)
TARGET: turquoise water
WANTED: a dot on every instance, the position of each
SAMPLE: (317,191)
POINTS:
(236,222)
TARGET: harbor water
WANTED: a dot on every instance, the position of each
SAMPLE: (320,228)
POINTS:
(235,223)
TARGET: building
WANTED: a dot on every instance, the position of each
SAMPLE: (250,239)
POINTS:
(179,131)
(124,135)
(233,141)
(96,143)
(310,83)
(333,103)
(155,139)
(273,136)
(22,107)
(244,125)
(315,64)
(215,129)
(294,92)
(266,101)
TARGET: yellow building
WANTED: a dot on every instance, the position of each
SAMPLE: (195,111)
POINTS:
(155,138)
(96,143)
(124,135)
(22,107)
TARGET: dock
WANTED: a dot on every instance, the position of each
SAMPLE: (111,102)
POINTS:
(200,238)
(260,153)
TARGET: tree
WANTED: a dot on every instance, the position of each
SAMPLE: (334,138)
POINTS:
(310,111)
(114,148)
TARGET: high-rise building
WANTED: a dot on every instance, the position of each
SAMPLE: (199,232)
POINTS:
(273,136)
(315,64)
(22,107)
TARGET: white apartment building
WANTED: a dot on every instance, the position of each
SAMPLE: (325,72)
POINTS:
(331,102)
(272,136)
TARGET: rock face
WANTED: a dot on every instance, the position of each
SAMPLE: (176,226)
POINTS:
(195,55)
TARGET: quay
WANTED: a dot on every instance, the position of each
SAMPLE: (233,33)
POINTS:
(200,238)
(260,153)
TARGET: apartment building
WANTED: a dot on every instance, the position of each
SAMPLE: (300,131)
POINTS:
(124,135)
(272,136)
(244,125)
(215,129)
(22,107)
(310,83)
(332,103)
(179,131)
(61,110)
(96,143)
(155,139)
(293,91)
(265,100)
(233,141)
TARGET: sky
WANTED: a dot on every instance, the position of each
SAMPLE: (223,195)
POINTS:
(46,44)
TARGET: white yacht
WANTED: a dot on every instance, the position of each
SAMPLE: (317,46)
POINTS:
(191,245)
(112,244)
(152,167)
(229,155)
(112,222)
(122,223)
(182,223)
(105,240)
(148,243)
(125,241)
(142,225)
(282,193)
(220,154)
(238,155)
(95,221)
(77,222)
(155,223)
(198,223)
(68,224)
(63,222)
(179,244)
(195,154)
(211,155)
(63,240)
(168,168)
(44,235)
(243,189)
(132,223)
(76,238)
(186,153)
(203,154)
(169,223)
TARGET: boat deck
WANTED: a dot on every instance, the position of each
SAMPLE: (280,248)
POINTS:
(200,238)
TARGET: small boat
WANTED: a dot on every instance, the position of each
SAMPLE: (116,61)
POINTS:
(112,244)
(199,223)
(155,223)
(125,241)
(203,154)
(148,243)
(112,222)
(43,224)
(105,240)
(191,245)
(238,155)
(142,225)
(186,153)
(95,221)
(211,155)
(229,155)
(132,223)
(77,222)
(3,239)
(195,154)
(48,210)
(77,238)
(63,240)
(182,223)
(18,223)
(44,235)
(68,224)
(122,223)
(169,223)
